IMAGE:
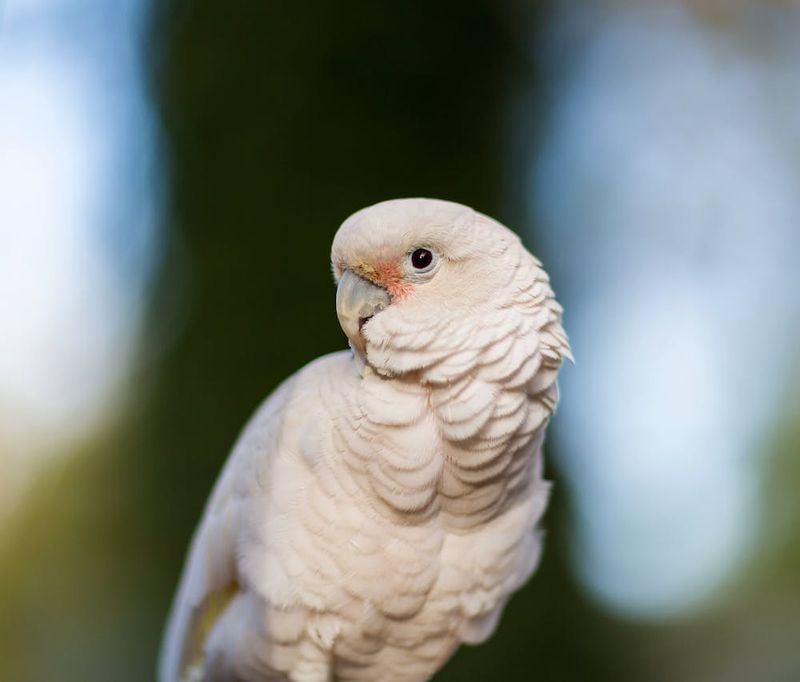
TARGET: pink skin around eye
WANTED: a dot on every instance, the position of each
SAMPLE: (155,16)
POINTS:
(390,276)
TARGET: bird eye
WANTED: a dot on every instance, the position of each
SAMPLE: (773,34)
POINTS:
(421,259)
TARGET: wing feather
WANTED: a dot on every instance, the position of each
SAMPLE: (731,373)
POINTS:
(210,577)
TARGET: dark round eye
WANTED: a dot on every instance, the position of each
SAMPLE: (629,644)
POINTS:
(421,259)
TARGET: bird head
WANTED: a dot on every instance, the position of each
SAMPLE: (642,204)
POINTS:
(410,271)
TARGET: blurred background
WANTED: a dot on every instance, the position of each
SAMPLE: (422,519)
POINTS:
(171,176)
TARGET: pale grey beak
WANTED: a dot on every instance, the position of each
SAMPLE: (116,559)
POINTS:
(357,300)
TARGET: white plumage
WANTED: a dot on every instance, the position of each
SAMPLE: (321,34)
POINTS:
(382,505)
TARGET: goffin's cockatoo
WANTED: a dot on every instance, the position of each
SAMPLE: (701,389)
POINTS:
(382,505)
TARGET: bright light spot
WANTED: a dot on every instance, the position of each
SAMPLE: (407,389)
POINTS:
(666,193)
(68,317)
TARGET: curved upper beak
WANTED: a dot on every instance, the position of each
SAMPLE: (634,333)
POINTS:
(357,300)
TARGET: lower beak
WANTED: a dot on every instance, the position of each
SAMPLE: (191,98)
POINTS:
(357,300)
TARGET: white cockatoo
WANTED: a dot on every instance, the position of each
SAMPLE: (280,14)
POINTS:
(382,505)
